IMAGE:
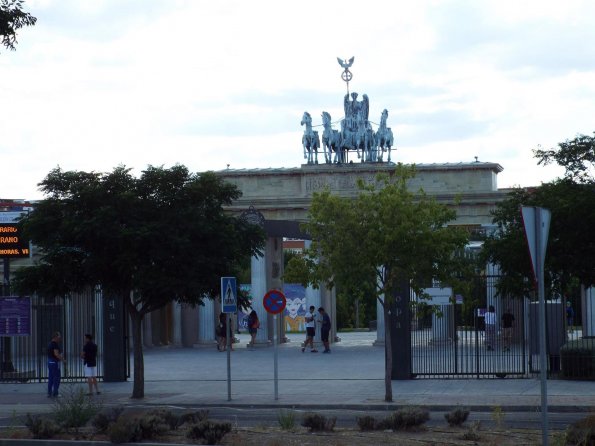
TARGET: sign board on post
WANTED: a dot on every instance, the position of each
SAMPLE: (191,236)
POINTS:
(274,301)
(12,244)
(229,299)
(15,316)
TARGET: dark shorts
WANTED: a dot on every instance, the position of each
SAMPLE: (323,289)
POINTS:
(324,335)
(310,332)
(252,330)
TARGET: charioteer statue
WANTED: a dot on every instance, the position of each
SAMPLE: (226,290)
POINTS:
(356,132)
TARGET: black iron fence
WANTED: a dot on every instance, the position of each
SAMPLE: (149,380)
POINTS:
(24,358)
(454,341)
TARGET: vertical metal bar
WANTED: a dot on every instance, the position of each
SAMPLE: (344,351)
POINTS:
(228,342)
(276,354)
(542,331)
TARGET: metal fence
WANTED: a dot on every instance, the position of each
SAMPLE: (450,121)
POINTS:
(24,358)
(451,341)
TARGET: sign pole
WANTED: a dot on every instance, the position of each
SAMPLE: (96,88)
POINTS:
(539,263)
(229,304)
(229,344)
(276,355)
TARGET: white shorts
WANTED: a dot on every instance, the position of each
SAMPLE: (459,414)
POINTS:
(90,372)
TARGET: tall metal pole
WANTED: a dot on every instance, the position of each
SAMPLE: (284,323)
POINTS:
(228,348)
(542,331)
(276,355)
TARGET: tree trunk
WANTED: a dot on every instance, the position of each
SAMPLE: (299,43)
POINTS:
(388,353)
(138,387)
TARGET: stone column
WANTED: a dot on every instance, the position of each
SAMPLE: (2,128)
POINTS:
(206,324)
(588,310)
(190,325)
(177,324)
(313,298)
(379,323)
(147,331)
(258,290)
(329,303)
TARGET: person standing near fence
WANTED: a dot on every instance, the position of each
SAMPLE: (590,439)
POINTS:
(54,359)
(490,323)
(569,316)
(507,322)
(89,355)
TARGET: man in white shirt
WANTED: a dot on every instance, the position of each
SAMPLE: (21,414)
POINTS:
(310,329)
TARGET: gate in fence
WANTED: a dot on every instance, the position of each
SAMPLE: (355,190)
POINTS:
(24,357)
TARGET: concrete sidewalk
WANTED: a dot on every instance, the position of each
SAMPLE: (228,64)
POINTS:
(350,377)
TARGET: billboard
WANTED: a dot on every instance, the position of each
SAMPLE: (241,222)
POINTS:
(15,316)
(12,244)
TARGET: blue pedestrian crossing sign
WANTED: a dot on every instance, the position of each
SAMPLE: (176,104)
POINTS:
(229,298)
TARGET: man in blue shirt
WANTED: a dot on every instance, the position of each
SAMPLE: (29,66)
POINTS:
(54,359)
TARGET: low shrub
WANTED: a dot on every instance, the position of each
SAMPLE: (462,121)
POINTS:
(210,431)
(581,432)
(74,409)
(167,417)
(125,431)
(318,423)
(472,432)
(41,427)
(456,417)
(152,426)
(194,417)
(104,418)
(405,418)
(366,423)
(286,419)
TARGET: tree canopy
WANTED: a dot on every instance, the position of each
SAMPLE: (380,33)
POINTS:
(150,240)
(374,242)
(571,241)
(577,156)
(12,18)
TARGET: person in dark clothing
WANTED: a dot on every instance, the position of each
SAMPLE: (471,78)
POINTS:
(507,323)
(54,359)
(325,329)
(569,316)
(253,326)
(89,355)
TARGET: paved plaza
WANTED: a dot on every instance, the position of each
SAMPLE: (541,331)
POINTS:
(352,376)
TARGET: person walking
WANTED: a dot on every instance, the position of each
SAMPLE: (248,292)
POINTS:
(490,323)
(325,329)
(253,326)
(310,324)
(55,357)
(569,316)
(89,355)
(507,323)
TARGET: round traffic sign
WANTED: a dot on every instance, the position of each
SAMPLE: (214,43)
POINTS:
(274,301)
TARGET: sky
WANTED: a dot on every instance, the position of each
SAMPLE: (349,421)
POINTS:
(216,84)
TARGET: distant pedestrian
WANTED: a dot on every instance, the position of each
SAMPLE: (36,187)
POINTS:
(507,323)
(253,326)
(89,355)
(569,316)
(310,323)
(55,357)
(490,323)
(221,332)
(325,329)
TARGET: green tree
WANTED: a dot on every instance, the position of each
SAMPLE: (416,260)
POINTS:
(12,18)
(577,156)
(375,242)
(570,254)
(149,241)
